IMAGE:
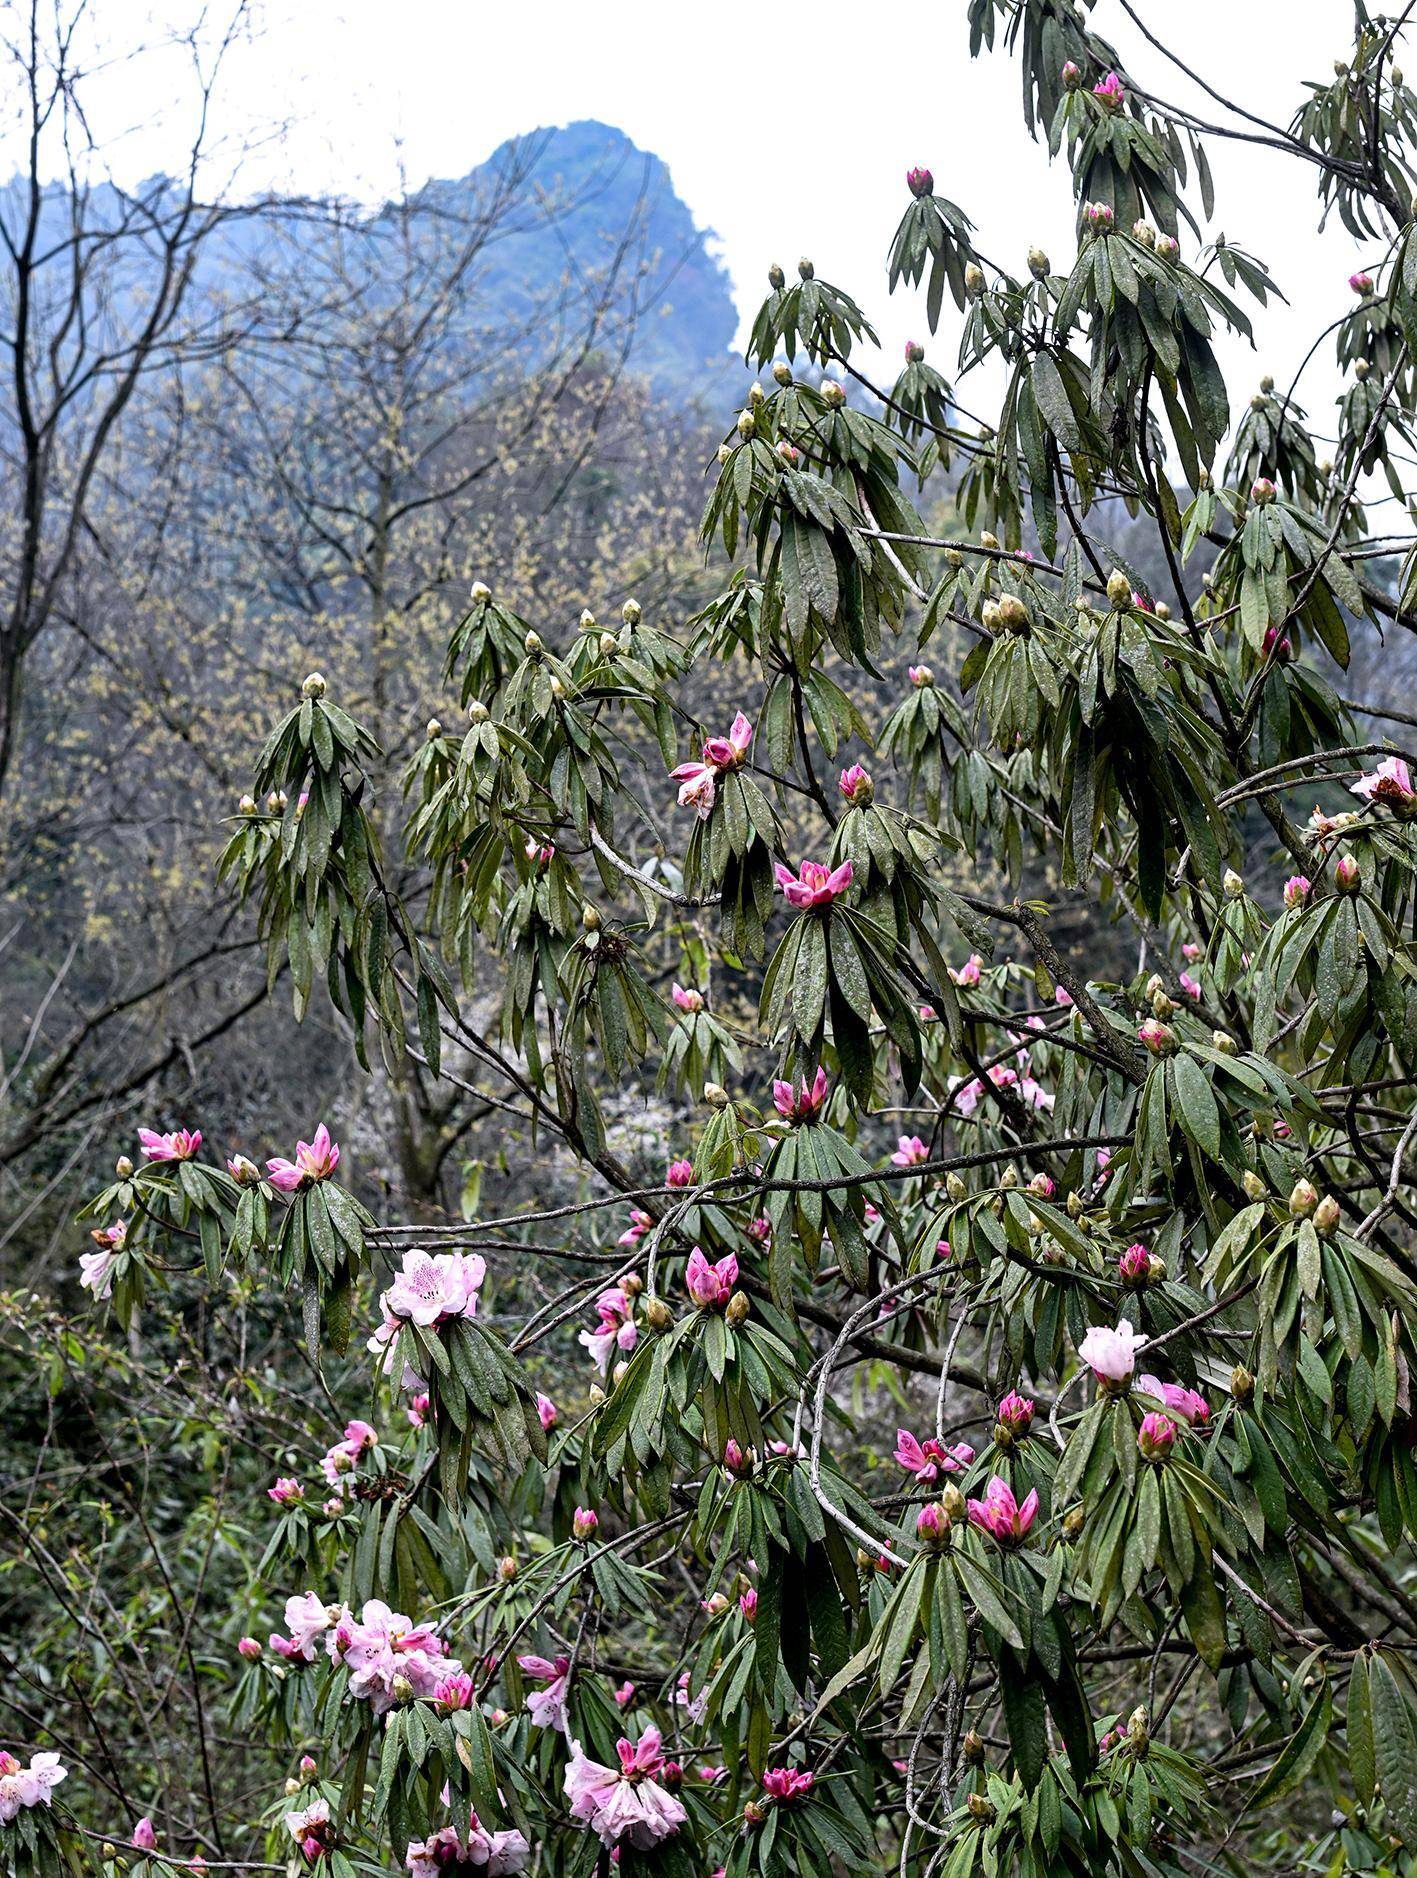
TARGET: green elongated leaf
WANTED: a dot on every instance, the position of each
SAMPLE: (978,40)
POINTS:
(1362,1762)
(1394,1750)
(1200,1117)
(1300,1752)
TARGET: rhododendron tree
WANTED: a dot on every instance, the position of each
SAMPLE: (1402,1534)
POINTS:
(948,1409)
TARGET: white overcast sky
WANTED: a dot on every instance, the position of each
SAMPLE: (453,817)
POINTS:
(787,131)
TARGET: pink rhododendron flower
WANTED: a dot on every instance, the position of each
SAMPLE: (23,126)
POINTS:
(624,1804)
(28,1786)
(734,1459)
(968,973)
(1110,92)
(1191,986)
(698,782)
(1000,1515)
(910,1152)
(1185,1404)
(1390,783)
(927,1460)
(814,885)
(249,1648)
(490,1854)
(931,1524)
(344,1456)
(920,676)
(617,1329)
(311,1828)
(695,1707)
(679,1174)
(417,1410)
(585,1521)
(180,1145)
(640,1224)
(434,1286)
(243,1171)
(748,1604)
(547,1705)
(144,1838)
(687,1000)
(314,1160)
(1190,950)
(1111,1355)
(1360,282)
(710,1284)
(804,1104)
(856,784)
(1297,889)
(1015,1413)
(308,1619)
(1156,1437)
(787,1784)
(454,1693)
(1134,1264)
(96,1268)
(624,1695)
(383,1649)
(546,1411)
(1062,997)
(286,1491)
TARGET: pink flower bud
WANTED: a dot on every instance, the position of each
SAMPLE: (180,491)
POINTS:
(144,1838)
(584,1522)
(1348,875)
(1135,1265)
(914,352)
(1157,1037)
(1262,491)
(931,1524)
(1071,76)
(734,1459)
(249,1648)
(1361,283)
(1156,1437)
(1097,218)
(856,784)
(920,182)
(1296,889)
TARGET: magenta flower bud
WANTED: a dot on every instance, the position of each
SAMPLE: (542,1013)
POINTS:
(1041,1187)
(584,1522)
(1097,218)
(921,676)
(734,1459)
(1015,1413)
(856,784)
(1360,282)
(249,1648)
(1168,247)
(914,352)
(679,1174)
(1348,875)
(1110,92)
(144,1838)
(748,1604)
(1156,1437)
(1296,889)
(1071,76)
(920,182)
(1157,1037)
(931,1524)
(1262,491)
(1135,1265)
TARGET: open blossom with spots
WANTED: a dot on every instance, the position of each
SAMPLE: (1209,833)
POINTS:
(180,1145)
(786,1784)
(1000,1515)
(382,1649)
(687,1000)
(624,1804)
(1390,783)
(1187,1405)
(22,1786)
(814,885)
(910,1152)
(314,1160)
(927,1460)
(616,1330)
(640,1224)
(96,1268)
(698,782)
(804,1104)
(434,1286)
(1111,1355)
(710,1283)
(547,1705)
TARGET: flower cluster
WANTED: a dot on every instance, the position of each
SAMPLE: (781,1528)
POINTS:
(314,1160)
(710,1284)
(390,1659)
(616,1331)
(814,885)
(803,1104)
(27,1786)
(624,1804)
(698,782)
(927,1460)
(1000,1515)
(497,1854)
